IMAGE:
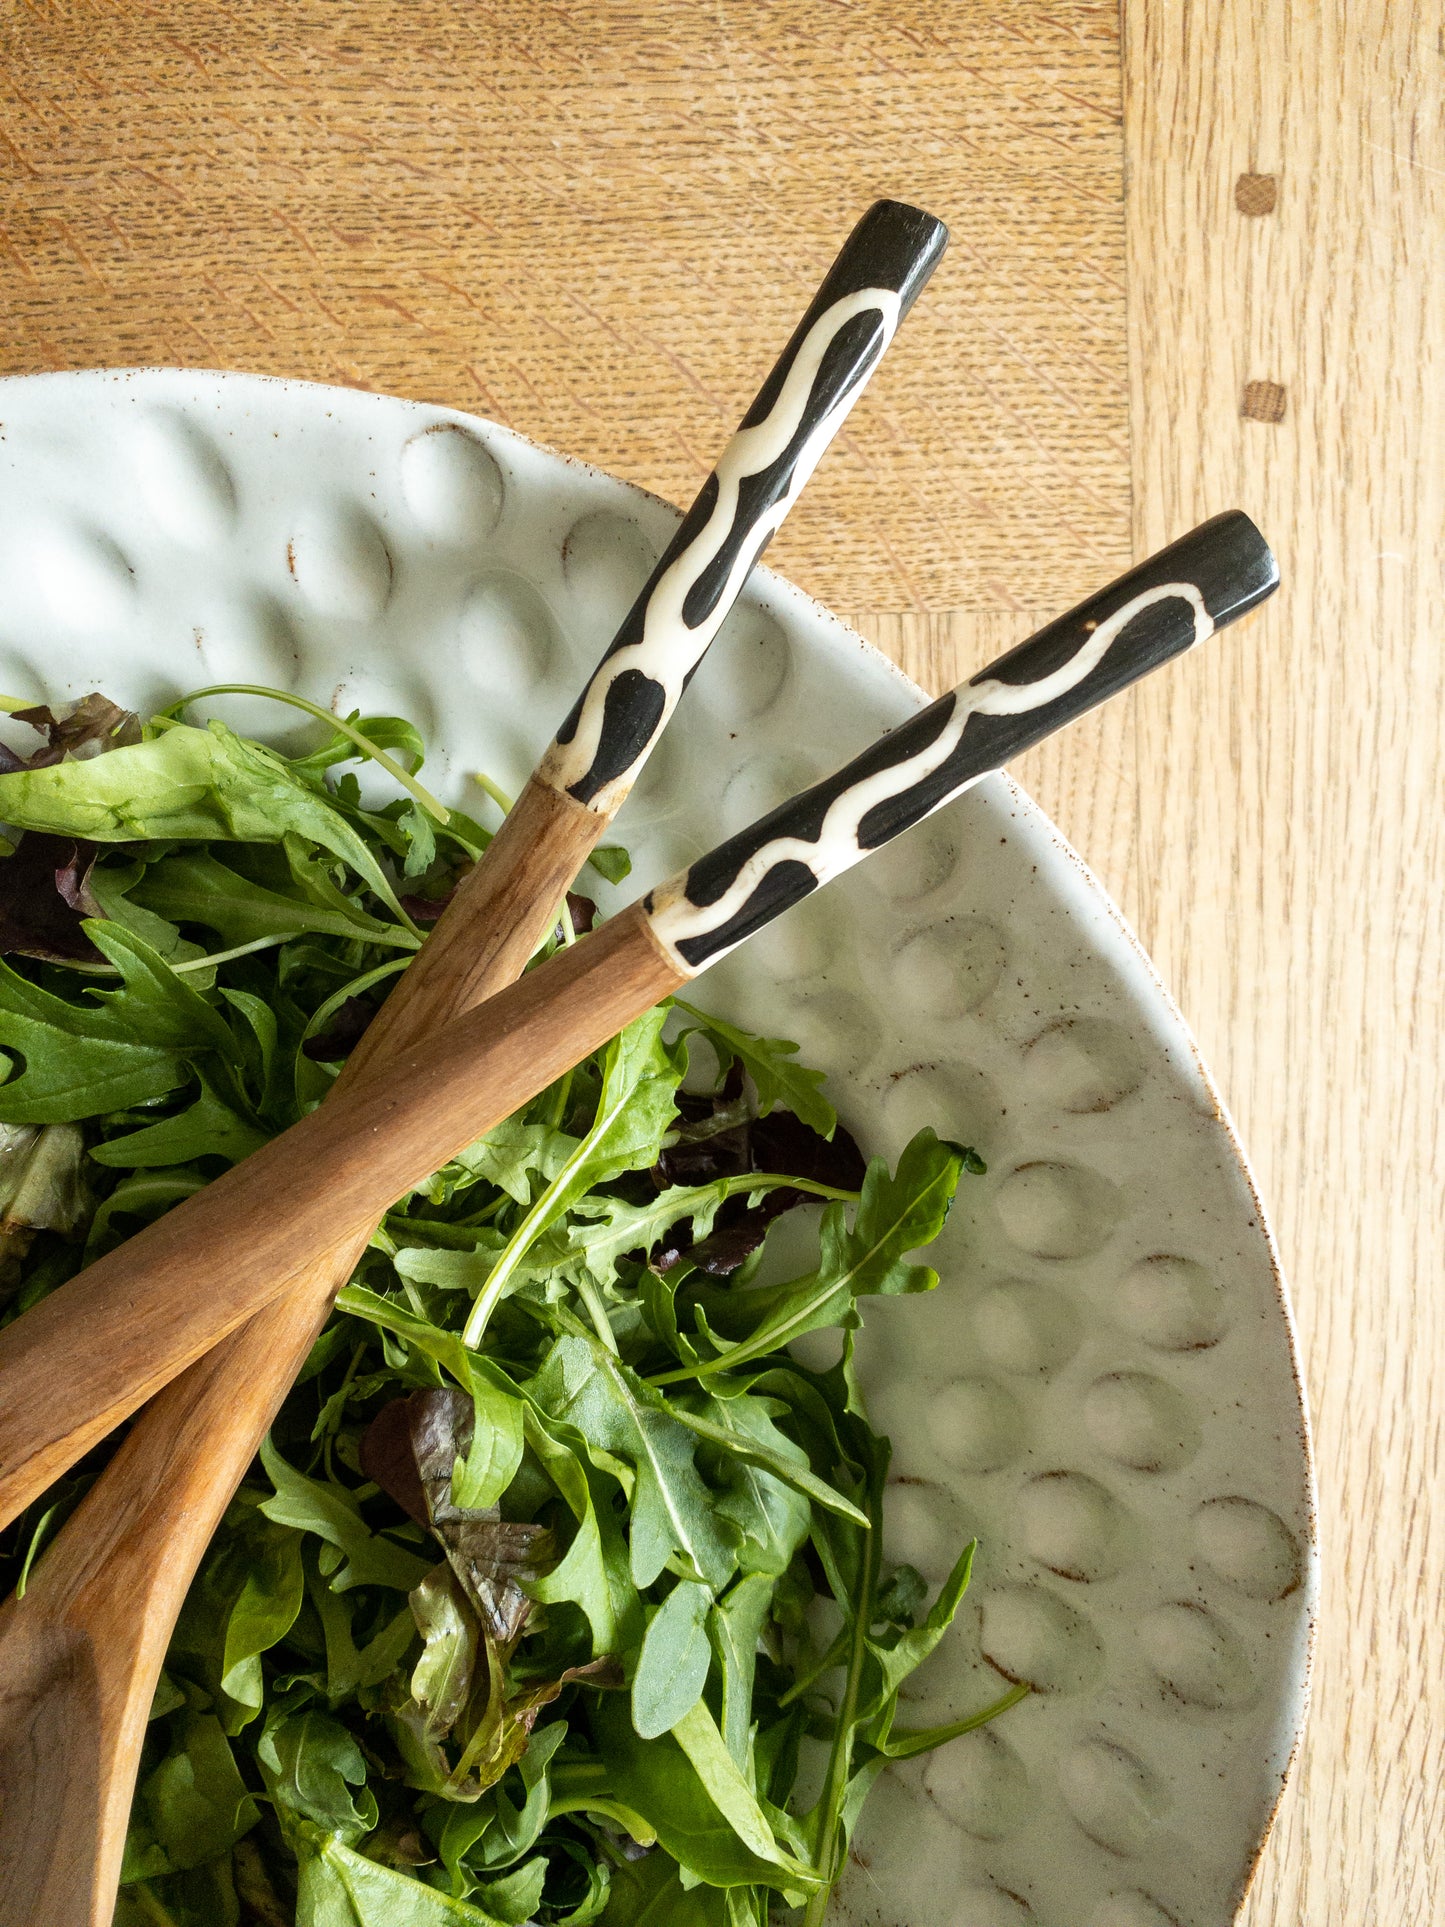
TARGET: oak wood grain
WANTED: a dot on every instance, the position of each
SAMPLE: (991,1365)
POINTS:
(1290,848)
(591,221)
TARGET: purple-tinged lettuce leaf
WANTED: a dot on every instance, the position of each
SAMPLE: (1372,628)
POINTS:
(780,1143)
(45,898)
(349,1023)
(82,729)
(411,1449)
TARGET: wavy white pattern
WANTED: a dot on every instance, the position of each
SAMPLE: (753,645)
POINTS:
(675,918)
(668,650)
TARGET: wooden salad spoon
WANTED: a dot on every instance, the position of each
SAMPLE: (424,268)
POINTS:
(131,1325)
(81,1652)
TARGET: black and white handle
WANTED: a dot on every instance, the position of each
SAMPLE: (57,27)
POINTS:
(1156,612)
(875,280)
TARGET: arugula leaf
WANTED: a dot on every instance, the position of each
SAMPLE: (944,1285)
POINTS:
(349,1667)
(514,1150)
(768,1062)
(640,1076)
(517,1895)
(697,1734)
(611,1227)
(117,1048)
(447,1268)
(736,1626)
(193,1805)
(191,784)
(155,1004)
(593,1573)
(311,1763)
(896,1654)
(673,1516)
(660,1781)
(743,1427)
(340,1887)
(896,1215)
(209,1127)
(417,1332)
(356,1556)
(673,1664)
(193,886)
(110,885)
(243,1601)
(602,1229)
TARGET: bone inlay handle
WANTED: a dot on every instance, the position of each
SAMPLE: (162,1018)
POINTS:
(1167,605)
(801,406)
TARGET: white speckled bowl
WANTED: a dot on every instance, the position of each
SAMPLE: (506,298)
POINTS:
(1104,1388)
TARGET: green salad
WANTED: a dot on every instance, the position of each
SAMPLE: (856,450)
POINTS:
(557,1593)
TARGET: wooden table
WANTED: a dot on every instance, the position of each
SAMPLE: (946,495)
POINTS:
(1195,266)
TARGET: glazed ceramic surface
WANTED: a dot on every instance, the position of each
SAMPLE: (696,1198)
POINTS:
(1103,1388)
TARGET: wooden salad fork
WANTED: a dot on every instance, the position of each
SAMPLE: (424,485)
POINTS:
(81,1652)
(149,1308)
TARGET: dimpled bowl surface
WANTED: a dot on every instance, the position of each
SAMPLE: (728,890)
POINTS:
(1103,1388)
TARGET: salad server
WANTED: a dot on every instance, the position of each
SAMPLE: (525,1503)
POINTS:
(81,1652)
(95,1349)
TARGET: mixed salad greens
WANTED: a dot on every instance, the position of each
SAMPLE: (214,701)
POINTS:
(557,1593)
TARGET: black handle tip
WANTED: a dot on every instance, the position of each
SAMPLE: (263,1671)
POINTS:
(1230,562)
(897,246)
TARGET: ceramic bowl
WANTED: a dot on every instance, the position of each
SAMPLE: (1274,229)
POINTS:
(1104,1388)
